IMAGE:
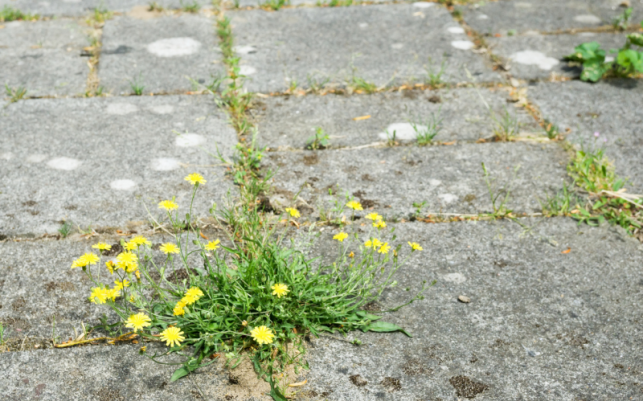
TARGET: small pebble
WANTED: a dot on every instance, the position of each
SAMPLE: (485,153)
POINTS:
(463,299)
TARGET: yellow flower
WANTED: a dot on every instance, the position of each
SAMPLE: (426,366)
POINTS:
(384,248)
(172,336)
(379,224)
(354,205)
(340,236)
(293,212)
(192,295)
(138,321)
(169,248)
(98,295)
(113,293)
(102,246)
(351,255)
(130,246)
(168,205)
(86,259)
(110,266)
(132,299)
(375,243)
(178,308)
(262,335)
(195,179)
(138,275)
(374,216)
(212,245)
(127,261)
(138,240)
(415,246)
(121,284)
(279,290)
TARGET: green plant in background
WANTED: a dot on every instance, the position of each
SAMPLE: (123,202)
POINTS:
(15,94)
(499,195)
(435,78)
(340,3)
(425,132)
(65,229)
(8,14)
(391,138)
(506,127)
(101,14)
(137,85)
(154,6)
(622,21)
(316,84)
(275,5)
(562,203)
(320,140)
(592,58)
(551,130)
(360,85)
(192,7)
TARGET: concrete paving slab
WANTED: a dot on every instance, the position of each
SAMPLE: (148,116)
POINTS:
(78,8)
(541,56)
(102,373)
(44,57)
(448,178)
(385,44)
(611,108)
(519,17)
(96,161)
(541,324)
(159,53)
(291,121)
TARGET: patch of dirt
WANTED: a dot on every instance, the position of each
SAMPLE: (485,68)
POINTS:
(62,286)
(25,344)
(178,276)
(109,394)
(358,380)
(71,207)
(414,367)
(29,203)
(469,198)
(143,13)
(359,194)
(366,177)
(499,344)
(467,388)
(410,94)
(435,99)
(116,249)
(391,384)
(372,306)
(310,160)
(368,203)
(19,304)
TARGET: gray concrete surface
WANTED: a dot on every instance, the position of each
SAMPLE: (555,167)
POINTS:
(78,8)
(97,161)
(278,48)
(159,53)
(291,121)
(611,108)
(448,178)
(44,57)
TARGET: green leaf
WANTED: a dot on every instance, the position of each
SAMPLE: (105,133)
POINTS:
(630,60)
(636,38)
(385,327)
(594,69)
(179,373)
(367,316)
(587,51)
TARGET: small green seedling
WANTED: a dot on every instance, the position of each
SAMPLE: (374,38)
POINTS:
(391,138)
(551,130)
(320,140)
(425,132)
(275,5)
(65,229)
(192,7)
(316,84)
(418,208)
(506,128)
(15,94)
(435,78)
(622,21)
(137,85)
(154,6)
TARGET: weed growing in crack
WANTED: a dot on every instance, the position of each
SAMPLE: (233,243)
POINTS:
(137,86)
(551,130)
(425,132)
(275,5)
(561,204)
(622,22)
(100,15)
(8,14)
(340,3)
(15,94)
(434,79)
(499,195)
(315,84)
(391,138)
(418,209)
(154,6)
(320,140)
(192,7)
(506,127)
(65,229)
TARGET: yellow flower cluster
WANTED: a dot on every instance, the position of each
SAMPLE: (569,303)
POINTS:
(169,247)
(135,242)
(279,290)
(262,335)
(378,221)
(191,296)
(415,246)
(382,247)
(86,259)
(101,295)
(101,246)
(127,261)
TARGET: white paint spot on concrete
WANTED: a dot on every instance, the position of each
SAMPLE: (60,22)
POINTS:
(37,158)
(448,198)
(462,44)
(165,164)
(435,183)
(64,163)
(6,156)
(174,47)
(189,140)
(532,57)
(162,109)
(247,70)
(422,4)
(122,185)
(455,29)
(121,109)
(456,278)
(403,132)
(483,16)
(587,19)
(244,49)
(397,46)
(363,25)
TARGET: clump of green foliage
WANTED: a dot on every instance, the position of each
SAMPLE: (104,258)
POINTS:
(592,58)
(8,14)
(320,140)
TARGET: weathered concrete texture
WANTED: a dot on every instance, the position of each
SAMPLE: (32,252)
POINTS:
(97,161)
(259,3)
(159,53)
(449,178)
(82,7)
(541,56)
(501,17)
(292,121)
(44,57)
(382,44)
(611,108)
(102,373)
(542,324)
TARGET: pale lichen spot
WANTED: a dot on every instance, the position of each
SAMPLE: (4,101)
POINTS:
(165,164)
(448,198)
(244,49)
(455,29)
(121,109)
(247,70)
(462,44)
(403,132)
(532,57)
(434,182)
(587,19)
(522,4)
(122,185)
(482,16)
(456,278)
(162,109)
(363,25)
(6,156)
(64,163)
(174,47)
(36,158)
(397,46)
(189,140)
(423,4)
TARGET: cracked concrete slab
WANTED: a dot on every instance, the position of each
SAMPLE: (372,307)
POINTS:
(44,57)
(541,324)
(364,119)
(448,178)
(518,17)
(541,56)
(611,108)
(313,46)
(161,54)
(76,8)
(95,162)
